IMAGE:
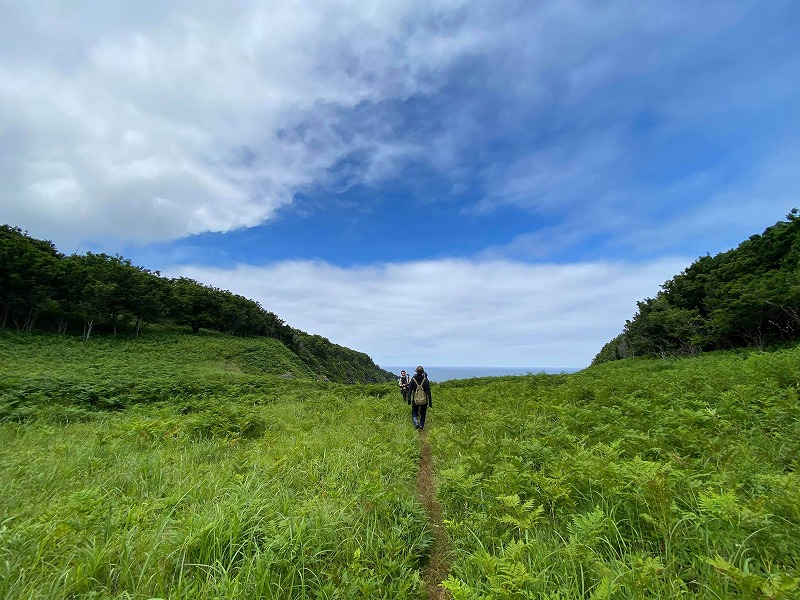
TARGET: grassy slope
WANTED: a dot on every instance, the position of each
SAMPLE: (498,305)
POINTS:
(66,376)
(162,352)
(633,479)
(203,482)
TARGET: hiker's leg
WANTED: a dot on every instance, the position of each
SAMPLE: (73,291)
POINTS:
(423,410)
(414,414)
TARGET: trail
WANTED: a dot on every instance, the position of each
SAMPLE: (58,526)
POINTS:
(439,565)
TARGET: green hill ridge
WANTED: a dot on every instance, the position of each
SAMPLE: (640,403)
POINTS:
(41,289)
(746,297)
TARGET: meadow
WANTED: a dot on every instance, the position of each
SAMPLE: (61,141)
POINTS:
(641,478)
(179,466)
(184,476)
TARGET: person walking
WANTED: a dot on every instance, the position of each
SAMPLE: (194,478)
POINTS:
(403,383)
(419,396)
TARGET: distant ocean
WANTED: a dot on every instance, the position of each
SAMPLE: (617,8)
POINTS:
(439,374)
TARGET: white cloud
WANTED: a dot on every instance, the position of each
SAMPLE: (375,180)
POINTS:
(132,121)
(151,121)
(199,118)
(451,312)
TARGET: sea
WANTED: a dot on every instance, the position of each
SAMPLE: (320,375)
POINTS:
(438,374)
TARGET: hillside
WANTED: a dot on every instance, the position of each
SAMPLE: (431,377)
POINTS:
(746,297)
(43,290)
(640,478)
(177,468)
(49,372)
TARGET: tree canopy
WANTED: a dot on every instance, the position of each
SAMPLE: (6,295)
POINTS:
(746,297)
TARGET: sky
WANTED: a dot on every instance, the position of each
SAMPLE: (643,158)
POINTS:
(431,182)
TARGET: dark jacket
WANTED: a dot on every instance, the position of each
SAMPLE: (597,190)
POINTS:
(426,385)
(402,382)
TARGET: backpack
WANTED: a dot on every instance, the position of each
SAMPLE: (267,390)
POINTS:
(420,397)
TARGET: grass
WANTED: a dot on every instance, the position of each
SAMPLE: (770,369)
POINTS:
(636,479)
(190,467)
(229,485)
(153,503)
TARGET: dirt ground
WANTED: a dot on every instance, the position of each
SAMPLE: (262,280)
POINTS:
(436,570)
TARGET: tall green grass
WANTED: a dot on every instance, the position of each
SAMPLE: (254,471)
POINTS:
(231,485)
(190,467)
(155,503)
(634,479)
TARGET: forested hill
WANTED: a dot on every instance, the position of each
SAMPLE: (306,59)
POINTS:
(43,289)
(746,297)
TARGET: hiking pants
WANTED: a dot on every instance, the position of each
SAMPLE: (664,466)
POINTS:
(418,414)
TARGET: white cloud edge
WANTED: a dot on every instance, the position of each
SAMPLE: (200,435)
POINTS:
(452,312)
(145,115)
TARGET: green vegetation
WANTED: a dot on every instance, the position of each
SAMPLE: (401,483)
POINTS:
(634,479)
(181,466)
(173,467)
(746,297)
(44,290)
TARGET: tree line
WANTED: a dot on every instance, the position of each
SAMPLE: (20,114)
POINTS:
(746,297)
(40,285)
(41,288)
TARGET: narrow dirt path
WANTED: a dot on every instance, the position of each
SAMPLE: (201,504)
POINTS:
(439,565)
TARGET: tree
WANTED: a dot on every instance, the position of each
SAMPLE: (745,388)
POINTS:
(748,296)
(191,303)
(27,268)
(147,297)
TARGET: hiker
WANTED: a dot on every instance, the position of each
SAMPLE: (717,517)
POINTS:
(419,396)
(403,384)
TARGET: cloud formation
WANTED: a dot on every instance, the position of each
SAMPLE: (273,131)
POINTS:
(453,312)
(184,121)
(157,121)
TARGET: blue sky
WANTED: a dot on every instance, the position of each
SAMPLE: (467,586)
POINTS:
(451,183)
